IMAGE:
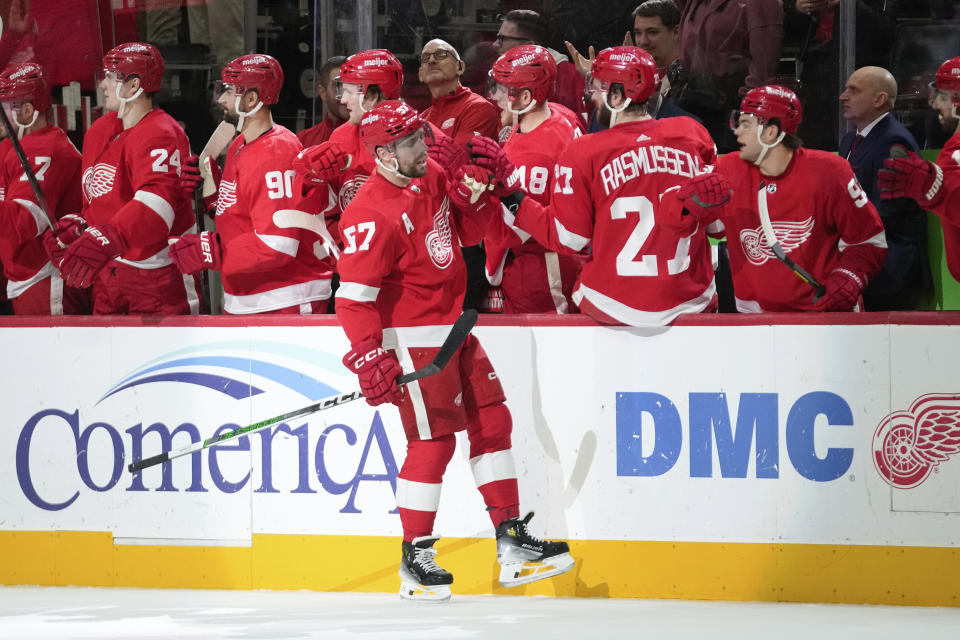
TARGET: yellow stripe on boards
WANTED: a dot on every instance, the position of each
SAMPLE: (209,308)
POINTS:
(615,569)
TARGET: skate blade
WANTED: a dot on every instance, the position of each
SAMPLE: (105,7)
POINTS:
(515,574)
(422,593)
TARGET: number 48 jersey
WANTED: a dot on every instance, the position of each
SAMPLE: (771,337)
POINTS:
(607,196)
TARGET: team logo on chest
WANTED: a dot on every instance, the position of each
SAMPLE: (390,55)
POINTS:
(790,234)
(98,180)
(227,196)
(349,190)
(439,240)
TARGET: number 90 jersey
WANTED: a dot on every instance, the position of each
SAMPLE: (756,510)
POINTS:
(607,193)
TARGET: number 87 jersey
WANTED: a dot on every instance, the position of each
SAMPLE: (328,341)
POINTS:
(607,196)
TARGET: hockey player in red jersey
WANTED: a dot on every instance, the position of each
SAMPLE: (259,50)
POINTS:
(607,195)
(532,279)
(342,163)
(935,186)
(33,283)
(820,216)
(402,286)
(131,165)
(264,267)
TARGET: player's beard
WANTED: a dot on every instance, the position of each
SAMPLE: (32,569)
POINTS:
(949,123)
(411,169)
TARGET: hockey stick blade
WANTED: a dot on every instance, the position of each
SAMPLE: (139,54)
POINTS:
(458,333)
(777,249)
(294,218)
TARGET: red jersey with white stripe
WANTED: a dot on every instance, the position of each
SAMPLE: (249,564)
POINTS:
(56,165)
(402,276)
(130,181)
(607,193)
(821,217)
(534,154)
(265,267)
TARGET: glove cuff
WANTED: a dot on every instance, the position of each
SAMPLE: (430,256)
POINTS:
(512,201)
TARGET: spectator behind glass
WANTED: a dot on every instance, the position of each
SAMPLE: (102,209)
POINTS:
(727,48)
(528,27)
(457,111)
(867,101)
(335,114)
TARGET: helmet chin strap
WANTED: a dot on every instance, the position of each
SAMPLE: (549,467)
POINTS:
(395,169)
(21,128)
(124,101)
(613,110)
(244,114)
(517,113)
(764,148)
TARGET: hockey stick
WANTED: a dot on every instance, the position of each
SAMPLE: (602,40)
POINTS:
(294,218)
(218,141)
(27,169)
(459,332)
(778,251)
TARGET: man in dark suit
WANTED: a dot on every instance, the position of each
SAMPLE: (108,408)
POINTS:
(904,282)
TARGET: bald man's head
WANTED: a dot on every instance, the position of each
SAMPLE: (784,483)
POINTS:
(870,92)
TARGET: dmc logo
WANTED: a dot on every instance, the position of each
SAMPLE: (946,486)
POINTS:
(756,427)
(909,445)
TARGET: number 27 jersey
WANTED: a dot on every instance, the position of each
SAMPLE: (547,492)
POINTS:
(607,193)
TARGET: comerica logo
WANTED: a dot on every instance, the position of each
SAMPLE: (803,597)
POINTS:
(709,424)
(336,442)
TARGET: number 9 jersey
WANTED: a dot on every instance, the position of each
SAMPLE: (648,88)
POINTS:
(607,194)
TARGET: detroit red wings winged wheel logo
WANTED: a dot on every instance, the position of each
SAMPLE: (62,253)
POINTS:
(909,445)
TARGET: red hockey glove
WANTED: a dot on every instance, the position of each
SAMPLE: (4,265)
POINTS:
(321,163)
(91,252)
(470,184)
(843,290)
(905,174)
(192,178)
(487,154)
(447,153)
(703,196)
(195,252)
(55,241)
(377,370)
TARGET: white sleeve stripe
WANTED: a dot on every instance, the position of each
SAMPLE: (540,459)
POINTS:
(36,212)
(158,205)
(420,496)
(282,244)
(358,292)
(879,240)
(569,238)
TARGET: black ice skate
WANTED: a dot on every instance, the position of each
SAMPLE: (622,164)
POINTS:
(420,576)
(524,558)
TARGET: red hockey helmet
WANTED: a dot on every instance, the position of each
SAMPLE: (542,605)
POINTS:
(528,66)
(136,59)
(773,101)
(388,122)
(632,67)
(948,79)
(374,67)
(255,71)
(24,82)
